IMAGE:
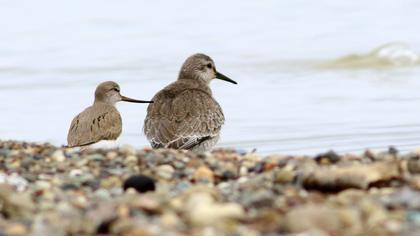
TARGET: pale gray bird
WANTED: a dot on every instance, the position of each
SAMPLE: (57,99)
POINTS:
(184,114)
(101,121)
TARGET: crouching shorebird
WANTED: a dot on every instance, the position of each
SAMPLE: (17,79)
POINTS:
(184,114)
(101,121)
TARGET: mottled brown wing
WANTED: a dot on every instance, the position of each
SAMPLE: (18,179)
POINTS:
(96,123)
(184,120)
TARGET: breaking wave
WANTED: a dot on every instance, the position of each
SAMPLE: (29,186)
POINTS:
(390,55)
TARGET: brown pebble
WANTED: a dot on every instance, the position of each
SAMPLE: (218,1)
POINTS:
(16,230)
(204,174)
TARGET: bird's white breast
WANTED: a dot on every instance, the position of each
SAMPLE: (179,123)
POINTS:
(105,144)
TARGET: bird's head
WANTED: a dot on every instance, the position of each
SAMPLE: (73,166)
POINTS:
(202,67)
(109,92)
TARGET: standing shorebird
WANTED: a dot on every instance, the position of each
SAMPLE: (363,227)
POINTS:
(101,121)
(184,114)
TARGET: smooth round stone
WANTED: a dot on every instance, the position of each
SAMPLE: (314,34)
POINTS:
(58,155)
(182,185)
(179,165)
(4,152)
(204,174)
(128,149)
(75,173)
(95,157)
(102,194)
(16,229)
(140,183)
(165,171)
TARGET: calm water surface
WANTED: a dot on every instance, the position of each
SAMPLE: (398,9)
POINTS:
(292,96)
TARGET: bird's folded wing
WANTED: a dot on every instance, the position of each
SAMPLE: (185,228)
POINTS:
(183,121)
(93,125)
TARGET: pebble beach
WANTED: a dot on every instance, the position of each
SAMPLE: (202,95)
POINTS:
(323,89)
(49,190)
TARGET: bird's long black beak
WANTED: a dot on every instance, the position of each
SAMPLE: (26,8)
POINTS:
(127,99)
(225,78)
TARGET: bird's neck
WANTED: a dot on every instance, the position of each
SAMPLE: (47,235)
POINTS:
(102,102)
(188,75)
(194,83)
(193,78)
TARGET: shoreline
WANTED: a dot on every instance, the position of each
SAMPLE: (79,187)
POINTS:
(48,190)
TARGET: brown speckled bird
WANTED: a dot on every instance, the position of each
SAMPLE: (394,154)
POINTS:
(184,114)
(101,121)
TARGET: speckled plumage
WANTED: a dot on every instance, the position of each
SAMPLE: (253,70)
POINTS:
(184,114)
(101,121)
(98,122)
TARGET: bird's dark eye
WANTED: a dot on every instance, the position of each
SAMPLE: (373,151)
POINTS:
(116,90)
(209,66)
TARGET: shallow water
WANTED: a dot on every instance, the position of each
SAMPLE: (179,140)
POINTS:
(293,95)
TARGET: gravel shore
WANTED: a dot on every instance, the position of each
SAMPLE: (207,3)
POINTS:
(47,190)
